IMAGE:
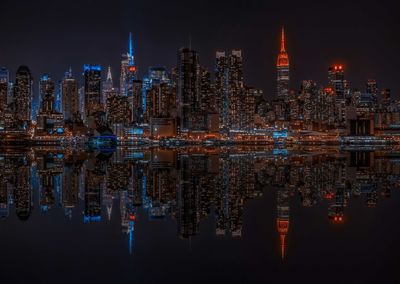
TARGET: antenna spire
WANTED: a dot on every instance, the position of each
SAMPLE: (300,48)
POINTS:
(283,49)
(130,49)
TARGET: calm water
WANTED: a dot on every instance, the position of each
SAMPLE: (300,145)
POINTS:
(200,215)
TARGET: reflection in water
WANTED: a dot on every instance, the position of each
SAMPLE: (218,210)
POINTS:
(190,184)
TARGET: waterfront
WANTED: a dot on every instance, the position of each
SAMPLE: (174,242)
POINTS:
(195,215)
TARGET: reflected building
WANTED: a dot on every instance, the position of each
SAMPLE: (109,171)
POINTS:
(23,191)
(187,185)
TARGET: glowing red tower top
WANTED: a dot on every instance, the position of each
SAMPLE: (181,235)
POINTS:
(283,57)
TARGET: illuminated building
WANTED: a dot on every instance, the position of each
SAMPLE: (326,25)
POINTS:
(235,89)
(23,94)
(340,90)
(221,88)
(108,89)
(47,93)
(136,102)
(283,66)
(82,108)
(118,113)
(4,90)
(310,112)
(92,76)
(230,90)
(49,120)
(188,86)
(70,98)
(208,100)
(156,77)
(337,81)
(372,90)
(161,104)
(128,70)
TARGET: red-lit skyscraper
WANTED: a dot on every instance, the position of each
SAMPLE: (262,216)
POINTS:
(282,66)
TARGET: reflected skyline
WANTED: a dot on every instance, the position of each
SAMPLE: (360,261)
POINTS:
(191,185)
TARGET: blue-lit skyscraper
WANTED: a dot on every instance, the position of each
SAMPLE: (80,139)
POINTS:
(128,70)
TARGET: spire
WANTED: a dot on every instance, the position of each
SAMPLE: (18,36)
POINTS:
(283,40)
(130,49)
(109,75)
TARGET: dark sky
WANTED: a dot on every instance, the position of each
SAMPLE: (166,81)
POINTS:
(49,36)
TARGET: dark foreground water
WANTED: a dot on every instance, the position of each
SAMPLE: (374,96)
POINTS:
(200,215)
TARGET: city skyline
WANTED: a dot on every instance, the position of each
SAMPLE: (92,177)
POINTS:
(309,43)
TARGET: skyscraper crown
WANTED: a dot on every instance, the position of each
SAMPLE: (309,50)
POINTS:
(283,57)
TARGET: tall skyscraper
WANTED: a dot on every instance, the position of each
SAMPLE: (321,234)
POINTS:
(47,94)
(337,80)
(108,87)
(340,90)
(230,89)
(70,97)
(23,94)
(221,87)
(372,90)
(128,69)
(92,76)
(235,89)
(282,66)
(188,88)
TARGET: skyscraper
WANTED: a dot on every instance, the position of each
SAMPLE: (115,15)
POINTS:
(221,85)
(23,94)
(340,90)
(372,90)
(70,97)
(108,87)
(92,76)
(4,82)
(128,69)
(230,90)
(337,81)
(188,88)
(282,66)
(47,94)
(235,89)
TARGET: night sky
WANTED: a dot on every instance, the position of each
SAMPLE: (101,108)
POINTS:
(49,36)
